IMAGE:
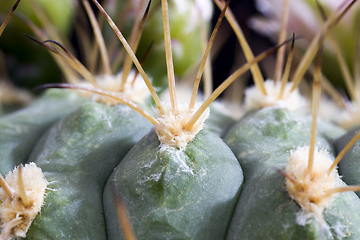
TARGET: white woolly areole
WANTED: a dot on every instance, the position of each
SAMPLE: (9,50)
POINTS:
(171,128)
(309,191)
(35,185)
(135,91)
(254,99)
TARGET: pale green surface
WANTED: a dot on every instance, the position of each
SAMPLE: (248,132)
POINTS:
(262,142)
(20,130)
(77,155)
(173,194)
(349,166)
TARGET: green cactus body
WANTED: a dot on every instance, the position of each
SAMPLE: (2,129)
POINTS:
(20,130)
(77,155)
(175,194)
(262,142)
(349,166)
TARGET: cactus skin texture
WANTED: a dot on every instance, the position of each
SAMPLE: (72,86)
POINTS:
(20,130)
(77,155)
(262,142)
(349,166)
(175,194)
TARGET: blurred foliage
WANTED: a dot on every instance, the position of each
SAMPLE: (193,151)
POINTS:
(29,65)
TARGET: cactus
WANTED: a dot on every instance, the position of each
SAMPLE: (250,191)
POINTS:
(180,159)
(22,129)
(112,173)
(169,193)
(77,155)
(274,133)
(308,207)
(79,140)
